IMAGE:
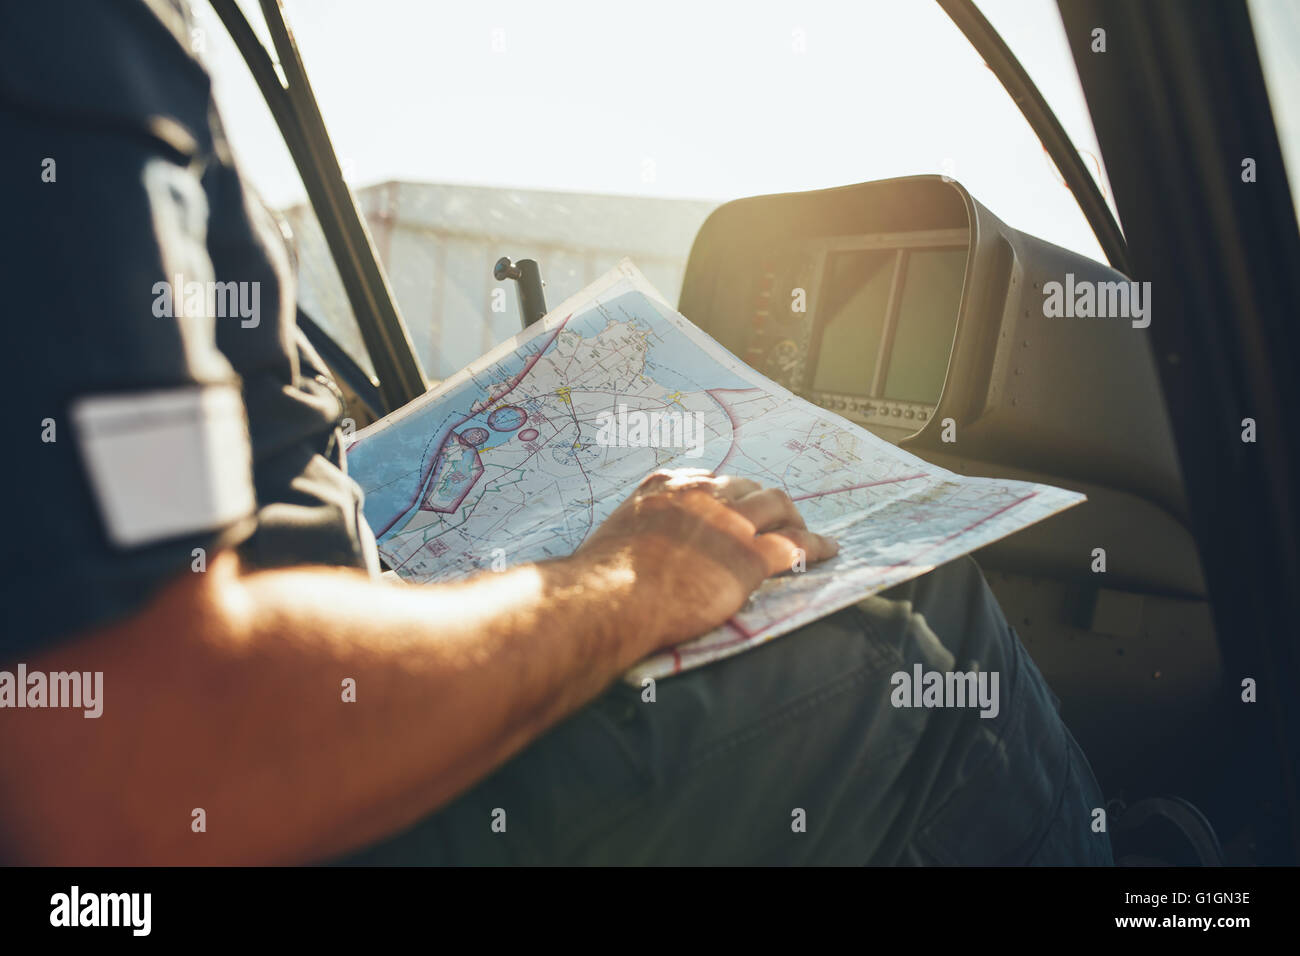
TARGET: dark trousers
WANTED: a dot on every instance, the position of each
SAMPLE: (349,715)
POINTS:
(798,753)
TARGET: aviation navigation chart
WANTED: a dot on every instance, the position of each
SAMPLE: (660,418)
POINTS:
(521,455)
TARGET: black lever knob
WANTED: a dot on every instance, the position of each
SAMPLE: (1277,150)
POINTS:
(505,269)
(528,274)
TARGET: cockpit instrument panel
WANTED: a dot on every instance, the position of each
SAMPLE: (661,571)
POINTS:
(861,325)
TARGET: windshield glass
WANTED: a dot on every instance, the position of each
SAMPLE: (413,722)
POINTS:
(580,132)
(1276,24)
(266,162)
(1033,31)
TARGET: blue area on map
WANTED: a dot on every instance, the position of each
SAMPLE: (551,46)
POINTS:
(390,464)
(674,361)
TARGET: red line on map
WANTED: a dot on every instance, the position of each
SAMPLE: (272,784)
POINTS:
(865,484)
(714,393)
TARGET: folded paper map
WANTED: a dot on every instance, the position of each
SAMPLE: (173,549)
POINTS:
(521,455)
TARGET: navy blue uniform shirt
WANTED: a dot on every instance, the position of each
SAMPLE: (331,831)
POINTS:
(145,423)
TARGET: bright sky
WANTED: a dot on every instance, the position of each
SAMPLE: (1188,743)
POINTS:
(675,98)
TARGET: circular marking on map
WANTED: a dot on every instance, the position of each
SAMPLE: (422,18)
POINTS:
(473,437)
(528,434)
(507,418)
(577,454)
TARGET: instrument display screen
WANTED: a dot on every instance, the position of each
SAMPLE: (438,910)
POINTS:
(885,320)
(851,312)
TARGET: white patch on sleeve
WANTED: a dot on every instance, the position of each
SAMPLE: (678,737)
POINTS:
(166,463)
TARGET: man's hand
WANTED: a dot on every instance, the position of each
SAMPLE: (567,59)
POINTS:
(699,545)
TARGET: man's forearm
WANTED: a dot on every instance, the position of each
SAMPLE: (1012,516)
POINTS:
(231,700)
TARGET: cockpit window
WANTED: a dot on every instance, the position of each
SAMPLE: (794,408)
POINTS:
(1277,33)
(1033,31)
(557,133)
(265,161)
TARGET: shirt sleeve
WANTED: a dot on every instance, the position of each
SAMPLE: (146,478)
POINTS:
(128,448)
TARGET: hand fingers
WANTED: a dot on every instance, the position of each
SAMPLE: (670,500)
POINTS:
(734,488)
(668,476)
(729,488)
(788,549)
(780,536)
(769,508)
